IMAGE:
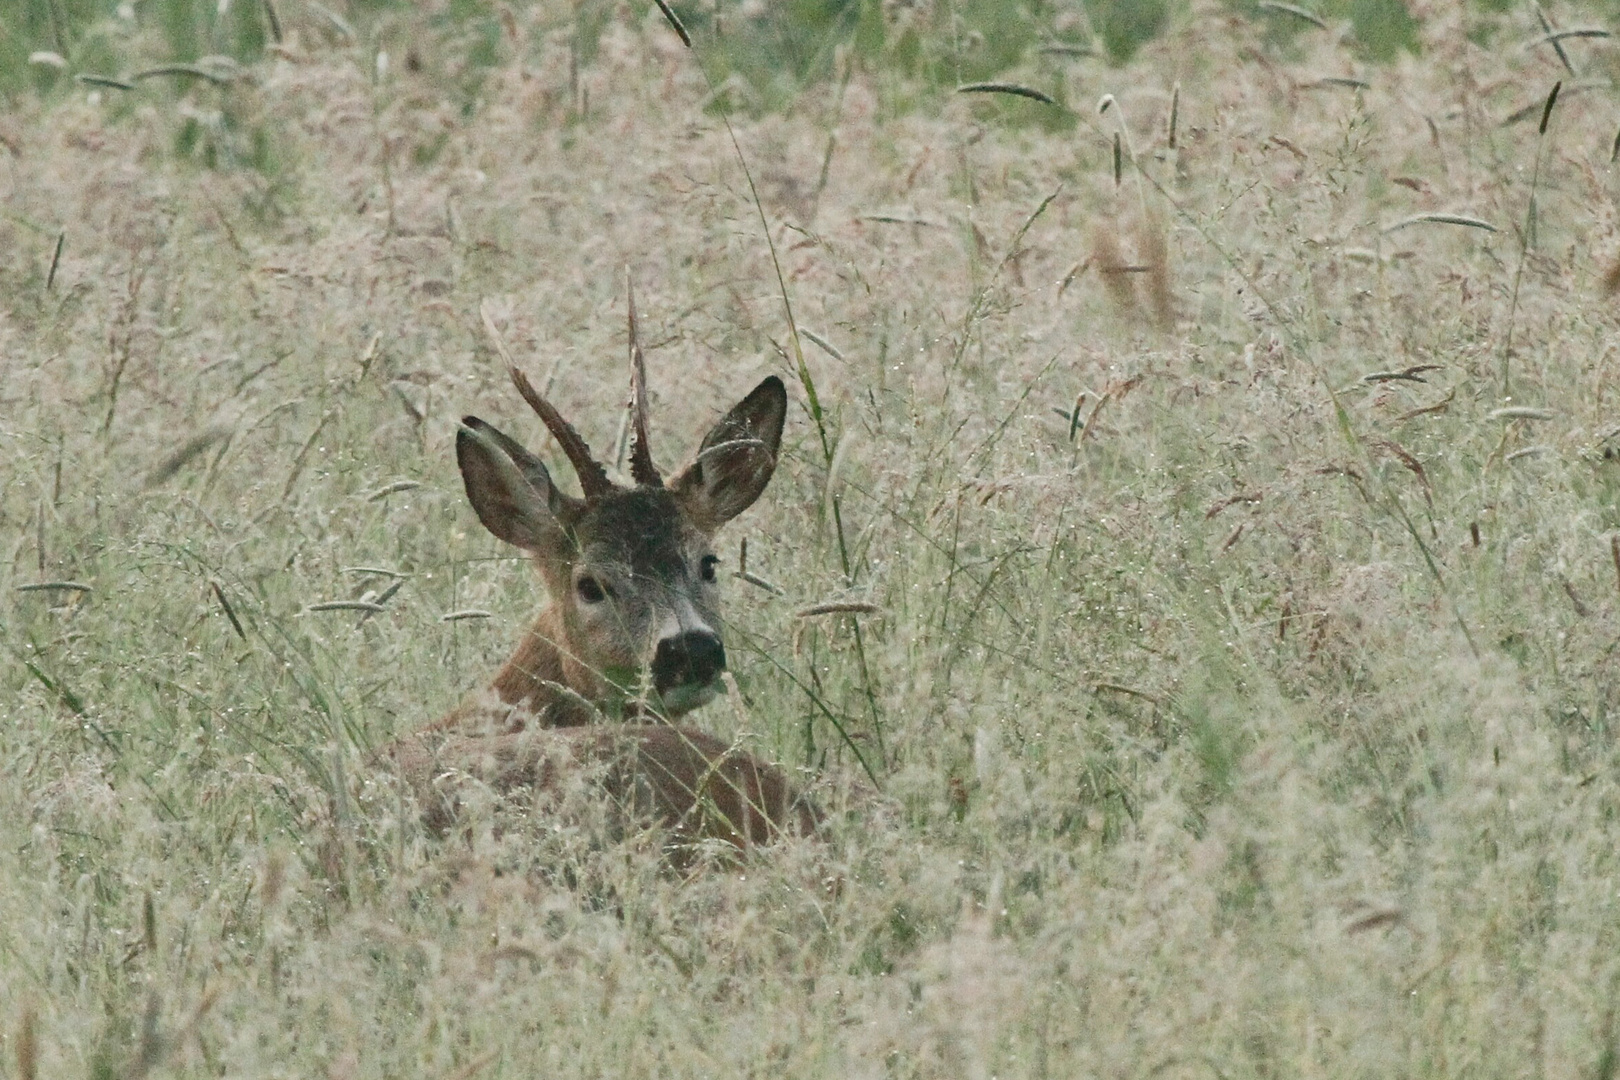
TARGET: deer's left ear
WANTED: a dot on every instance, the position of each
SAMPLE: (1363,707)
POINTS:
(736,459)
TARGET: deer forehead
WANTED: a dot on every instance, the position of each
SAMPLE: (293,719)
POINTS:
(644,530)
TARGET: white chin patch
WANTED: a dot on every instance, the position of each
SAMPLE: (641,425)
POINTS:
(679,699)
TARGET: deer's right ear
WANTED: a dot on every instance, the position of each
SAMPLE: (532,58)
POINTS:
(509,488)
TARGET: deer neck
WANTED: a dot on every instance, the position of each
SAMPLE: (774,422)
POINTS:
(540,685)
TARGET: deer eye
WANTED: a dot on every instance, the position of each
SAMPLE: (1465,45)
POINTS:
(590,590)
(708,567)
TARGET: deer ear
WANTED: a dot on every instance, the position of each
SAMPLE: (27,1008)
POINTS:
(736,459)
(509,488)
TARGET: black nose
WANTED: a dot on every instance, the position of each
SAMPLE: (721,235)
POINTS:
(692,658)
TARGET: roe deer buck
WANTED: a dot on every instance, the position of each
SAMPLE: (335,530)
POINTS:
(631,578)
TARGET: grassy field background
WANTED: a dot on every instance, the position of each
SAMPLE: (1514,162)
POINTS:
(1258,721)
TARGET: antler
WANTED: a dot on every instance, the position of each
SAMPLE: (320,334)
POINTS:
(642,469)
(593,478)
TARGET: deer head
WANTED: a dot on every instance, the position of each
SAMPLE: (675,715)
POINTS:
(630,570)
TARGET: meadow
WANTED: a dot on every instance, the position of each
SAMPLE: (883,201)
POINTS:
(1211,461)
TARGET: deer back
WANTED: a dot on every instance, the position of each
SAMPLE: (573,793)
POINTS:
(686,781)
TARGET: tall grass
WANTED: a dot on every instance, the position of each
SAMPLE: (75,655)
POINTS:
(774,52)
(1189,766)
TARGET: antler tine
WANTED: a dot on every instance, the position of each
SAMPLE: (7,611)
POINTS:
(642,469)
(593,478)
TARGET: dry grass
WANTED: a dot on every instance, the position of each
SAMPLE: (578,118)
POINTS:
(1259,725)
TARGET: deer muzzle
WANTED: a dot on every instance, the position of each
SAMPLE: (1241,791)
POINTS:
(689,660)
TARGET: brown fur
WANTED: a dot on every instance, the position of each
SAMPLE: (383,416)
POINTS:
(690,783)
